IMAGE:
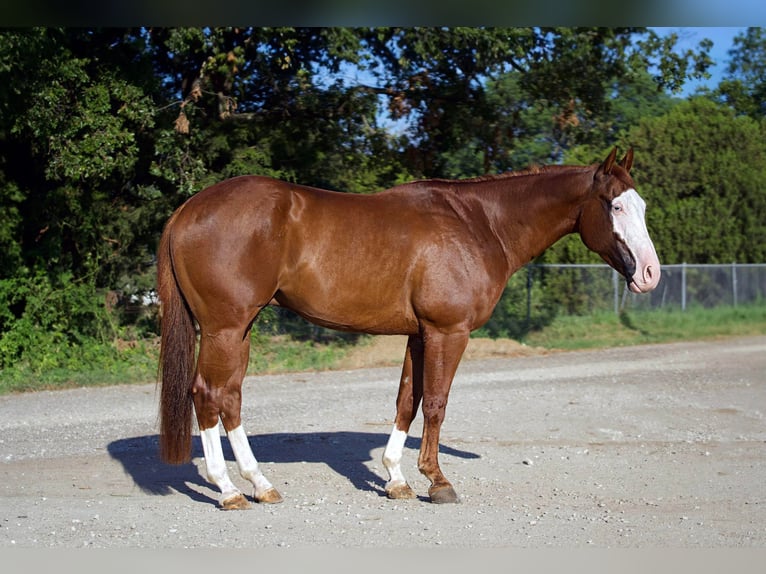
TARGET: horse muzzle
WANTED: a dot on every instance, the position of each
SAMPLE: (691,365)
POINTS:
(646,278)
(642,269)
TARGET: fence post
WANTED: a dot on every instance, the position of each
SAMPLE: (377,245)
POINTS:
(734,282)
(683,286)
(616,287)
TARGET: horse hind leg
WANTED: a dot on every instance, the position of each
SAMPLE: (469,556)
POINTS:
(263,491)
(407,403)
(219,376)
(218,396)
(249,469)
(231,498)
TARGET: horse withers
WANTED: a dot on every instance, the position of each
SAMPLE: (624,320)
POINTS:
(427,259)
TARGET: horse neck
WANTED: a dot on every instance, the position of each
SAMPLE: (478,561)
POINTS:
(529,213)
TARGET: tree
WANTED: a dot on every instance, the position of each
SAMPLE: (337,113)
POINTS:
(268,100)
(436,79)
(744,88)
(104,132)
(70,150)
(76,119)
(702,169)
(440,78)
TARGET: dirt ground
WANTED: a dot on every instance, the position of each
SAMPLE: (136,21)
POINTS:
(658,446)
(387,351)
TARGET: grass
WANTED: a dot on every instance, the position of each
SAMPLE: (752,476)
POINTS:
(282,354)
(137,362)
(610,330)
(89,366)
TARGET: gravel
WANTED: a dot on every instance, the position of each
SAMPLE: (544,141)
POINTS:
(637,447)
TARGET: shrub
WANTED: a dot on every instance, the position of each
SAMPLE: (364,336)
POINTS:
(44,321)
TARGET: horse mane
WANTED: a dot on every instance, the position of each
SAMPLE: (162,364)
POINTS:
(531,170)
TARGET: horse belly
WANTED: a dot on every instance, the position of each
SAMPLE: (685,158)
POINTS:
(351,313)
(372,303)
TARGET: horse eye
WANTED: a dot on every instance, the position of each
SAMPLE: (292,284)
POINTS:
(616,207)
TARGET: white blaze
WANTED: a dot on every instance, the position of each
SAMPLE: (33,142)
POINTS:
(628,219)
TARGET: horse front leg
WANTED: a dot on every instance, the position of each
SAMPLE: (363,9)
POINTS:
(442,353)
(407,403)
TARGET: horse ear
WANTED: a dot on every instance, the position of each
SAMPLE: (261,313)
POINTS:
(627,161)
(606,167)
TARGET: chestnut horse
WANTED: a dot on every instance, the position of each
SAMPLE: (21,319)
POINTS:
(427,259)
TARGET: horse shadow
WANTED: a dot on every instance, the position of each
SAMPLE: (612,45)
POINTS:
(344,452)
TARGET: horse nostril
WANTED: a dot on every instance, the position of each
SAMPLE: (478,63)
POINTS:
(649,273)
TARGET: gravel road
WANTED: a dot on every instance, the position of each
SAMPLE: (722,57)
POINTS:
(651,446)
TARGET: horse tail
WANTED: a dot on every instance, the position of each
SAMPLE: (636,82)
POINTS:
(177,350)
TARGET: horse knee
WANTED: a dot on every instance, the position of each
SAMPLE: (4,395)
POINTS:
(434,409)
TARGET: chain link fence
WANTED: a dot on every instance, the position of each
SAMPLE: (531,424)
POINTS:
(581,289)
(540,292)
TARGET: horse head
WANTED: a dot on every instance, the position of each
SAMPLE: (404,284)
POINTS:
(612,223)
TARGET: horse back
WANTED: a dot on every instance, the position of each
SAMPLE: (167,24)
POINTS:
(372,263)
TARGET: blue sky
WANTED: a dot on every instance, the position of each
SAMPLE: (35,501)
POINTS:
(723,41)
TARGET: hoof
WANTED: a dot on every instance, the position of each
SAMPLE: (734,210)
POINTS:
(236,502)
(271,496)
(401,491)
(443,495)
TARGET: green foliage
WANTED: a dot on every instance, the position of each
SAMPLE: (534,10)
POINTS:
(605,329)
(104,132)
(286,354)
(744,88)
(90,137)
(11,198)
(566,76)
(701,169)
(43,324)
(524,307)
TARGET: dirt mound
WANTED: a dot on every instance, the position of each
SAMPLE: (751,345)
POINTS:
(388,350)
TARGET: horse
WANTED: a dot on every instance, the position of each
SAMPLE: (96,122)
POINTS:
(428,259)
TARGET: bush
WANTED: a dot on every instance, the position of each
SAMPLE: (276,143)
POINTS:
(44,322)
(519,311)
